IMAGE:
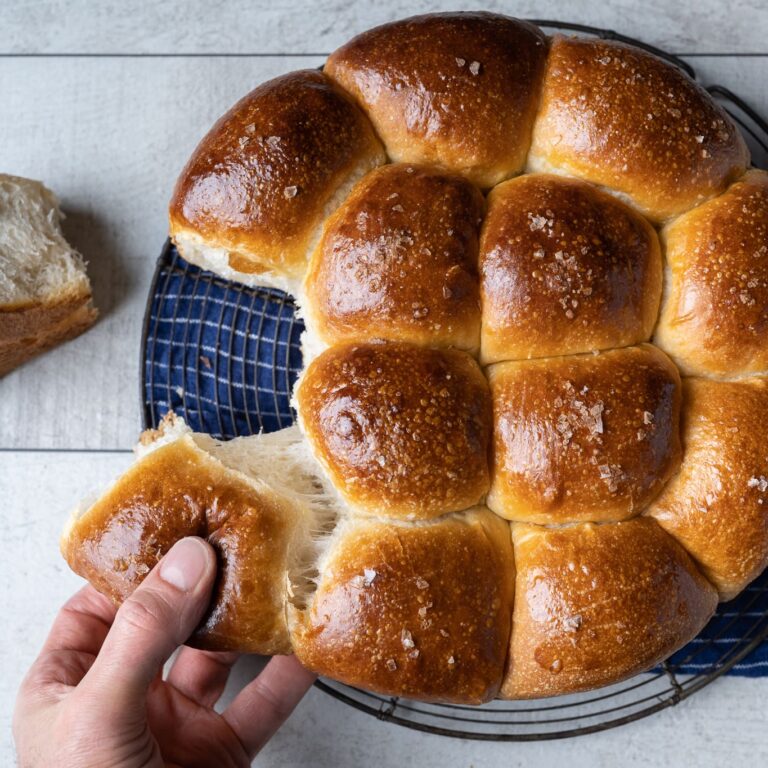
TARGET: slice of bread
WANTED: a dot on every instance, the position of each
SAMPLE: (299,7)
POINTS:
(45,294)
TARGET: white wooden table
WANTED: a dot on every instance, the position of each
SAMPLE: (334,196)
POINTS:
(104,101)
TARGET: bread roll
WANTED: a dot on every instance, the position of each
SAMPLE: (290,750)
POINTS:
(456,89)
(45,294)
(180,488)
(257,189)
(565,268)
(618,116)
(717,504)
(409,610)
(398,260)
(587,437)
(715,315)
(402,431)
(595,604)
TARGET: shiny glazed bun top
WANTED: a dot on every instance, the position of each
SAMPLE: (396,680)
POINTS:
(263,180)
(715,316)
(565,268)
(476,94)
(622,118)
(398,260)
(460,90)
(402,431)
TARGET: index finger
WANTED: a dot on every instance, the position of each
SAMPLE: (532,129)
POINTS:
(82,623)
(73,642)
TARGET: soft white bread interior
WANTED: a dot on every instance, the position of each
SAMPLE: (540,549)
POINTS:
(45,295)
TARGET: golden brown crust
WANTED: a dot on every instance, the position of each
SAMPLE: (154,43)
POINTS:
(402,431)
(259,182)
(28,331)
(618,116)
(598,603)
(398,260)
(565,268)
(456,89)
(178,490)
(33,317)
(587,437)
(414,610)
(717,504)
(715,315)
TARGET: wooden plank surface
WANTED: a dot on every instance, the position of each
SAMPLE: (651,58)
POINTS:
(33,26)
(110,135)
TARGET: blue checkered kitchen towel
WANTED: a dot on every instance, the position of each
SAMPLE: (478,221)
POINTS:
(226,357)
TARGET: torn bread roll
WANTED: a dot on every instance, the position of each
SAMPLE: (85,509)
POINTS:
(411,608)
(187,484)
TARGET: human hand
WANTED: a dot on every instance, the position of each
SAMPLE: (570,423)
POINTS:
(96,696)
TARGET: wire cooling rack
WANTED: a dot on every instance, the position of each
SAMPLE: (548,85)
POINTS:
(225,357)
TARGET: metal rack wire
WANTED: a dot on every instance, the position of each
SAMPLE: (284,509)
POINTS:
(225,357)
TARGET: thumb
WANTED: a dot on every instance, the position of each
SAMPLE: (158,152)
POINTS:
(157,618)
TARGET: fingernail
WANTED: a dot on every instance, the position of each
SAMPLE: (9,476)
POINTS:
(185,564)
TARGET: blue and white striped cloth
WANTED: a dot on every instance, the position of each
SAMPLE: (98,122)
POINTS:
(222,356)
(226,357)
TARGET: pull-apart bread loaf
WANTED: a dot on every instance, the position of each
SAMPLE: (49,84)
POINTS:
(45,295)
(506,248)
